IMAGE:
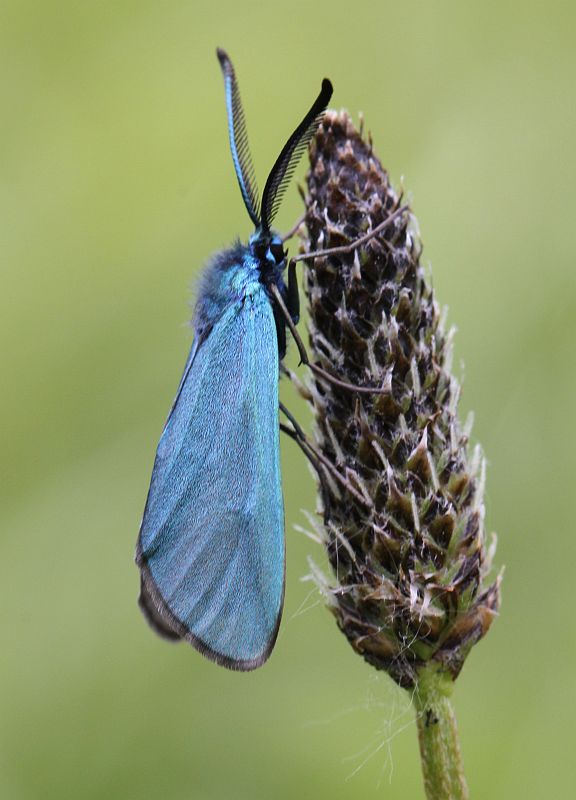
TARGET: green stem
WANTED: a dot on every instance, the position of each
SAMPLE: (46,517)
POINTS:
(438,737)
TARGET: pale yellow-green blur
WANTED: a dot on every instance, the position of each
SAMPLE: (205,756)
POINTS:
(116,184)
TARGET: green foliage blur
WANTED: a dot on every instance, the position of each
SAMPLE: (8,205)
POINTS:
(116,184)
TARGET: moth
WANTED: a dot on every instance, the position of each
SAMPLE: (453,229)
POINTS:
(211,548)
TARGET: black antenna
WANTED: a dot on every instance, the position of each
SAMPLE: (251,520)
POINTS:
(292,151)
(239,138)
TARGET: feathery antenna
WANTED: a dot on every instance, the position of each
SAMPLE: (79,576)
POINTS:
(292,151)
(239,138)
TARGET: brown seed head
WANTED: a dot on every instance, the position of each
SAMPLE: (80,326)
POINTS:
(404,523)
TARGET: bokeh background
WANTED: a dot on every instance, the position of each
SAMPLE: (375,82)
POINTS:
(116,184)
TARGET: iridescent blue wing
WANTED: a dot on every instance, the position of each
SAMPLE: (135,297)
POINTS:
(211,544)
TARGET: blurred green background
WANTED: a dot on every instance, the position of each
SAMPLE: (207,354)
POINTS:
(116,184)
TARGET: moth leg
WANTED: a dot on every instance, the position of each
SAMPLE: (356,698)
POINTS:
(292,295)
(304,355)
(348,248)
(319,459)
(291,308)
(280,331)
(345,248)
(295,425)
(297,434)
(294,230)
(309,455)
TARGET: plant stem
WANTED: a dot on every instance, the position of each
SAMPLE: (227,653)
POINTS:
(439,748)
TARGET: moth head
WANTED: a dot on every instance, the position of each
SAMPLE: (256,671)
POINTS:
(267,248)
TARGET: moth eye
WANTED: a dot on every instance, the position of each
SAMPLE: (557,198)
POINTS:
(277,251)
(260,250)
